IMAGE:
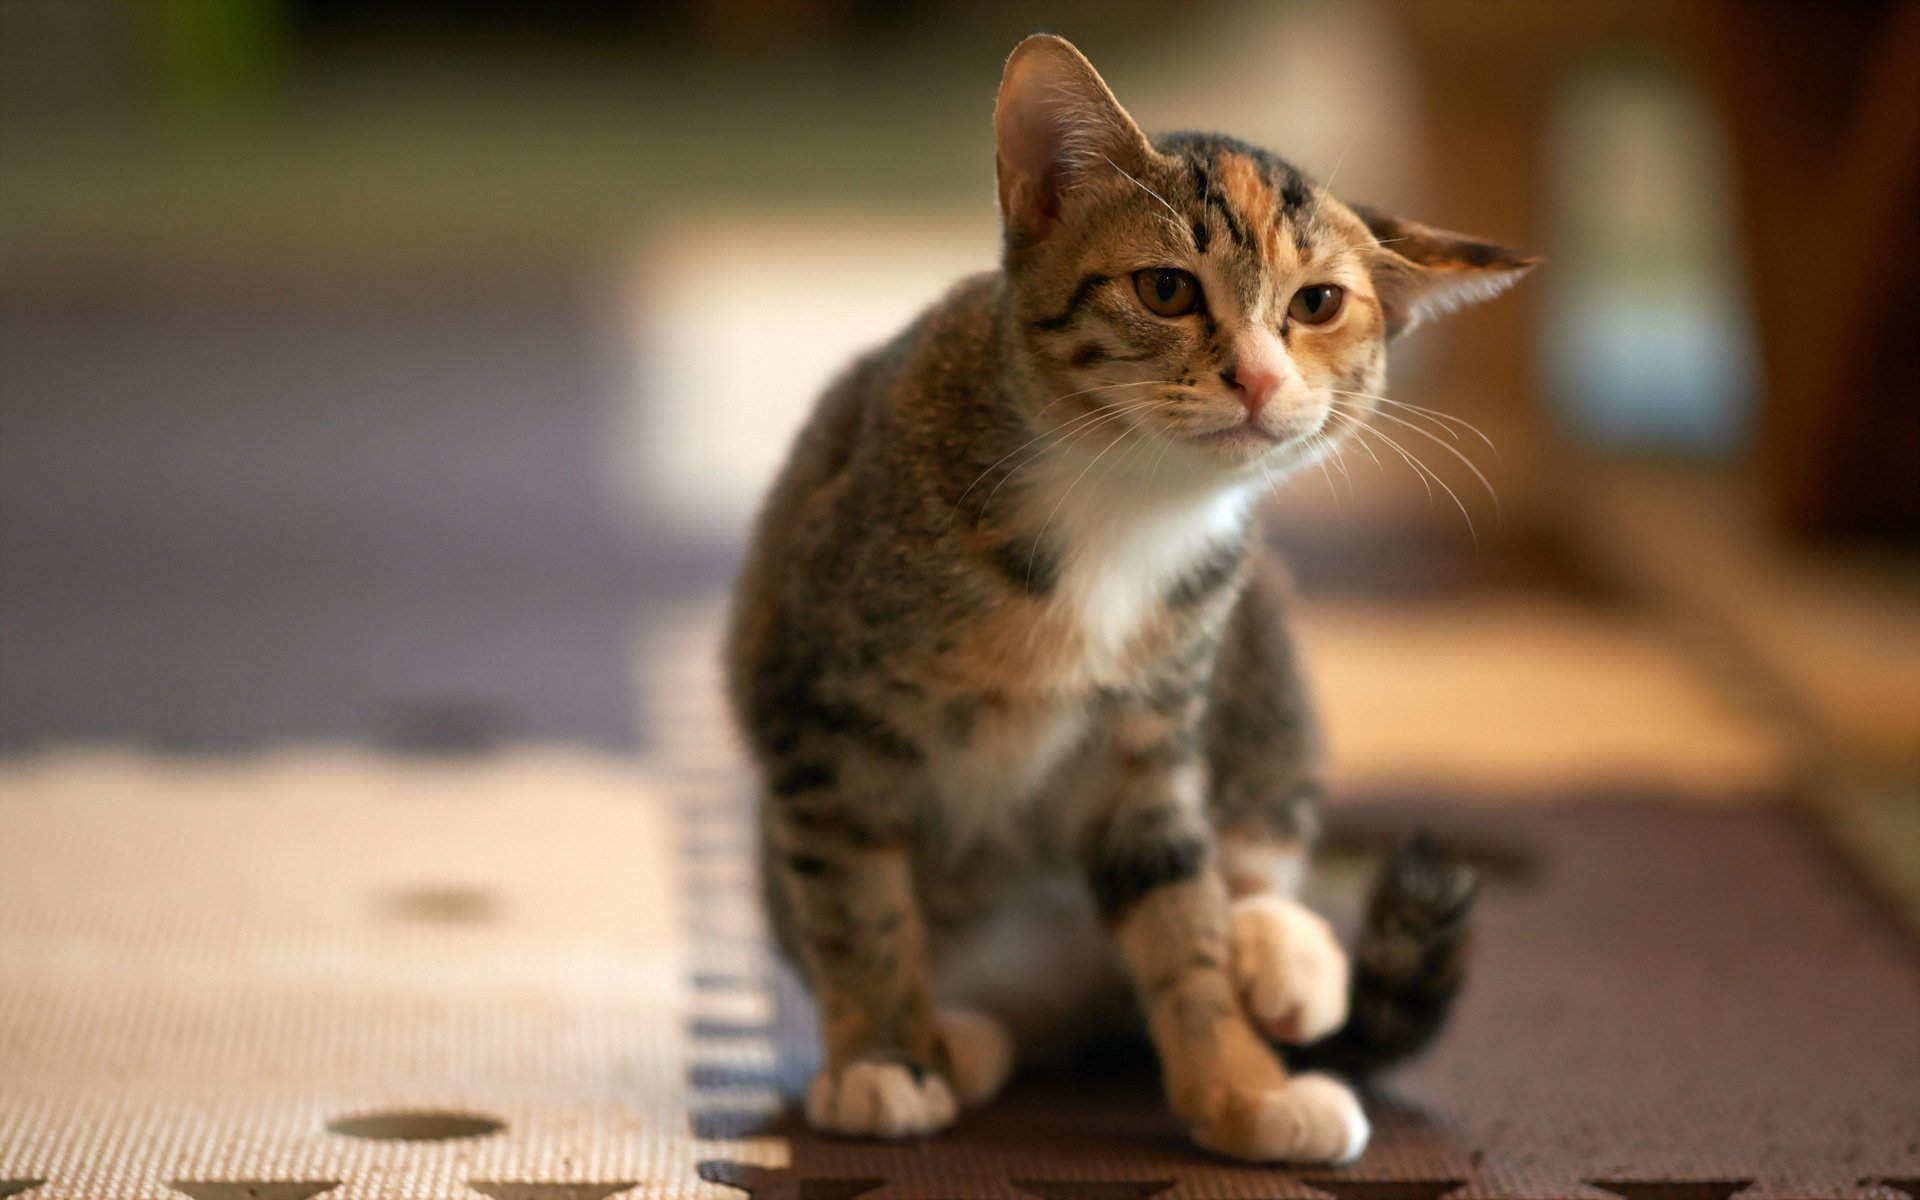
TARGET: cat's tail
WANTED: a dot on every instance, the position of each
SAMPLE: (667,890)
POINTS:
(1408,963)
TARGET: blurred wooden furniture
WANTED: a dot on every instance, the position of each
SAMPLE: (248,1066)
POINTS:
(1822,111)
(1822,104)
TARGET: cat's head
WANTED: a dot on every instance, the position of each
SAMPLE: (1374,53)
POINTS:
(1195,289)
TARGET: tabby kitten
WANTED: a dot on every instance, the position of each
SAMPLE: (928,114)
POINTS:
(1012,663)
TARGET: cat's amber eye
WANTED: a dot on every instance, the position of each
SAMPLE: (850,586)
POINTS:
(1317,303)
(1167,292)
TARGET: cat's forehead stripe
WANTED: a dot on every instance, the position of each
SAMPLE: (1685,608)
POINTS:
(1248,190)
(1211,198)
(1258,198)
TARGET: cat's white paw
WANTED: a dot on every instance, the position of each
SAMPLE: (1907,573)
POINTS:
(879,1099)
(1289,968)
(1313,1118)
(1307,1119)
(981,1050)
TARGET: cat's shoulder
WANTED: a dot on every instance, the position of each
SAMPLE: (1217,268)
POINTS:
(925,379)
(958,332)
(892,398)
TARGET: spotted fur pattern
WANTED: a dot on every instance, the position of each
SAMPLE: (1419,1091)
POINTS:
(1009,655)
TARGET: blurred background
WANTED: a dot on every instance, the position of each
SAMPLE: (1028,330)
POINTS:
(386,387)
(392,371)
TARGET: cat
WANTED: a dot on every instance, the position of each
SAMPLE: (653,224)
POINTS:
(1013,665)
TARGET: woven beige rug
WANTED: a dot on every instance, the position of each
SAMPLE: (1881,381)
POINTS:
(339,974)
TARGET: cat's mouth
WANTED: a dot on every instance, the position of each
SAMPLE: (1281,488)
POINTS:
(1243,436)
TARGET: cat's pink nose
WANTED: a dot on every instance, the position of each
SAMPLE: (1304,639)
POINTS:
(1253,380)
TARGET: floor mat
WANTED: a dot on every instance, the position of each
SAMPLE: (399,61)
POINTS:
(1667,1001)
(541,975)
(343,974)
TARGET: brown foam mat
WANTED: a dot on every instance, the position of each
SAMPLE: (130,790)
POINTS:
(1666,1002)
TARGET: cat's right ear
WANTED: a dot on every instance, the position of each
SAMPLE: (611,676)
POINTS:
(1420,272)
(1055,120)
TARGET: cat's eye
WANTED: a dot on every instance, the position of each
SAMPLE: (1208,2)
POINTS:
(1167,292)
(1317,303)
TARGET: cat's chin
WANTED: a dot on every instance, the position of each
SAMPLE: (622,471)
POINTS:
(1250,440)
(1244,448)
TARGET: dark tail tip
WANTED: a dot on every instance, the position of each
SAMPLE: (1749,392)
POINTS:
(1408,964)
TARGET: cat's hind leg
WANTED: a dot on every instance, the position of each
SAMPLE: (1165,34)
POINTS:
(980,1050)
(1028,980)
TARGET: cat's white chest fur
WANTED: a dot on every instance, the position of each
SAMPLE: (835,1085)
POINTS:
(1123,539)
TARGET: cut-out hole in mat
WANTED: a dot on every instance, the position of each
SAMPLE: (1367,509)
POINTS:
(499,1190)
(1385,1189)
(1673,1189)
(760,1182)
(254,1189)
(402,1126)
(1093,1189)
(440,904)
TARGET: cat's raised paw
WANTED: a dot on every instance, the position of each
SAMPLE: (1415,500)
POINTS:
(879,1099)
(1308,1119)
(1289,968)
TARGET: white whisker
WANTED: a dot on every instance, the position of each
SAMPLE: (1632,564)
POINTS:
(1046,433)
(1427,472)
(1477,474)
(1333,449)
(1035,552)
(1073,430)
(1432,413)
(1395,447)
(1155,473)
(1338,163)
(1178,224)
(1351,423)
(1320,461)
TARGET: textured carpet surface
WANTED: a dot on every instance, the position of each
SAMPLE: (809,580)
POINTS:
(1692,998)
(338,973)
(542,975)
(1670,1000)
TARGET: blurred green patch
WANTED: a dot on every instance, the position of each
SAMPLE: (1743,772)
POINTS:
(219,58)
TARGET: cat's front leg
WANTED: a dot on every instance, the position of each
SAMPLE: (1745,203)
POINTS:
(1265,799)
(1150,860)
(843,864)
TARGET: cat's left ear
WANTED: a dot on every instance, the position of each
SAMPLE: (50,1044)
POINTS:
(1054,123)
(1420,272)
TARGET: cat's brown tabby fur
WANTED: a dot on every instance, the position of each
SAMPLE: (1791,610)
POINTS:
(1013,664)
